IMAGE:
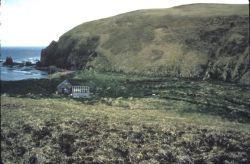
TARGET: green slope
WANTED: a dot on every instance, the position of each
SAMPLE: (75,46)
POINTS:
(119,130)
(206,41)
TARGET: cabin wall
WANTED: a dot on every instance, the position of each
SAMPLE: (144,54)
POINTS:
(78,95)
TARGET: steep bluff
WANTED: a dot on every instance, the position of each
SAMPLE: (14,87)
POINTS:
(205,41)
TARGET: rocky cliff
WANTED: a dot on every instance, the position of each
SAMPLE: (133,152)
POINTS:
(205,41)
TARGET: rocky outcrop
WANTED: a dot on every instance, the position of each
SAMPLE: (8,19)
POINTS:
(48,55)
(8,61)
(74,55)
(204,41)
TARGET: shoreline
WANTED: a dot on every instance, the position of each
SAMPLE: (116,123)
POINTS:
(21,71)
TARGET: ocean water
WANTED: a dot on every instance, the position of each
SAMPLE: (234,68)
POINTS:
(21,55)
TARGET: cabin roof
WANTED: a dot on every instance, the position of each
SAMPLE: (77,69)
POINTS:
(65,83)
(69,83)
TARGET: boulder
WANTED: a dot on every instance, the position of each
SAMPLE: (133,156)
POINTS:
(28,63)
(8,61)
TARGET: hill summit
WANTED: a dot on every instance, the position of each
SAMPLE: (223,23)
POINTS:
(204,41)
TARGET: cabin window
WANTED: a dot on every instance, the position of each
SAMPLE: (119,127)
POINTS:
(80,89)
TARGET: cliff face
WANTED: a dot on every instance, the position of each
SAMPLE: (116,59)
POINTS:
(206,41)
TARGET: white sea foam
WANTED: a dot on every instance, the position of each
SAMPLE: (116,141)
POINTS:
(21,55)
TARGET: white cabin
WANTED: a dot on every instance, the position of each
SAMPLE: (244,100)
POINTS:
(80,92)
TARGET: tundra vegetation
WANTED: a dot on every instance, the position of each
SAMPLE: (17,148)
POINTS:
(129,119)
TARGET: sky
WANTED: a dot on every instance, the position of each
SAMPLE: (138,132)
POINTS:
(38,22)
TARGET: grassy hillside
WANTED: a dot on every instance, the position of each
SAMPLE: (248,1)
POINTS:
(229,101)
(206,41)
(129,119)
(117,130)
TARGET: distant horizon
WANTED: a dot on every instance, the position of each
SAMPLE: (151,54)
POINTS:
(24,46)
(25,24)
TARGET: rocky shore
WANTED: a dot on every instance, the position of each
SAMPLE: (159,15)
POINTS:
(9,62)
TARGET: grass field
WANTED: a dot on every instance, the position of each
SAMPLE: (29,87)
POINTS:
(129,119)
